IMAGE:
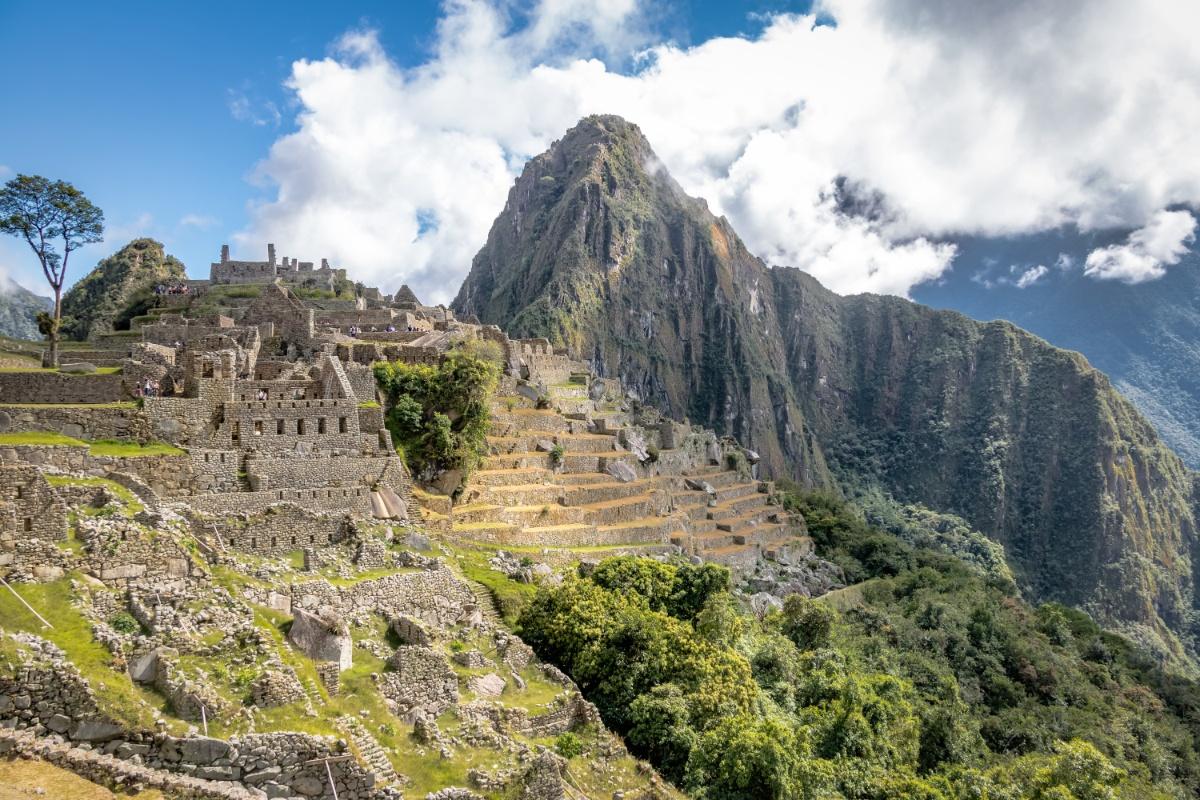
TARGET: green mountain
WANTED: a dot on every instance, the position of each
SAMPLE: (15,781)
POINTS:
(95,303)
(19,308)
(600,250)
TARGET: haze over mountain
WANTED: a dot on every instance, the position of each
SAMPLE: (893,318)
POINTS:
(19,308)
(599,249)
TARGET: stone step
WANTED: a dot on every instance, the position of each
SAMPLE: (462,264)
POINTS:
(711,541)
(520,494)
(492,531)
(525,421)
(622,509)
(647,529)
(586,442)
(574,534)
(715,477)
(743,520)
(739,507)
(760,534)
(510,477)
(583,478)
(602,491)
(737,490)
(520,516)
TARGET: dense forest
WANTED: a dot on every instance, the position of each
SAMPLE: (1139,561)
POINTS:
(925,678)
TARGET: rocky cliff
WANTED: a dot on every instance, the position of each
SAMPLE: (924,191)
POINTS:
(600,250)
(94,303)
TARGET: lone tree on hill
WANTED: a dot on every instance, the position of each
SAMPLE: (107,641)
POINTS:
(41,212)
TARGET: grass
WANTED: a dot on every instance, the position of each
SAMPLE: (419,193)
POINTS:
(119,404)
(118,449)
(21,779)
(104,447)
(132,504)
(116,693)
(40,438)
(369,404)
(99,371)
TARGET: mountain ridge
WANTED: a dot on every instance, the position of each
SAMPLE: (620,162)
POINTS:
(600,252)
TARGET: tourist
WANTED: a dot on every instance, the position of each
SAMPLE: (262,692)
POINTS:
(262,394)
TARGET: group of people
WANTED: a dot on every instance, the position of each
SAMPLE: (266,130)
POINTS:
(172,288)
(354,330)
(148,388)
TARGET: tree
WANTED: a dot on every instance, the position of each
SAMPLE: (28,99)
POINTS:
(41,211)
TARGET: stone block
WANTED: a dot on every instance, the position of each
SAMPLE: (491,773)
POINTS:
(322,638)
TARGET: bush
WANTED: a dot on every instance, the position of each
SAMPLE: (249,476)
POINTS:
(568,745)
(439,415)
(125,623)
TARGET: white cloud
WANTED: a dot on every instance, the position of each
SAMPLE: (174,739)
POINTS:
(1031,276)
(6,171)
(257,113)
(846,150)
(201,221)
(1147,253)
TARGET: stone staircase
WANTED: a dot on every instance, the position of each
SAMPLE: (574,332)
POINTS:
(546,483)
(485,602)
(370,751)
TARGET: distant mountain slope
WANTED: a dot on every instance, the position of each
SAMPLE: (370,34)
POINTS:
(598,249)
(1145,337)
(92,304)
(18,310)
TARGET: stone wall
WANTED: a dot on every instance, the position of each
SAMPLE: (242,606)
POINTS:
(345,499)
(280,529)
(279,426)
(81,422)
(434,596)
(315,470)
(57,387)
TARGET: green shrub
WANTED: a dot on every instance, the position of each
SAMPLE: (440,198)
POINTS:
(124,623)
(439,414)
(568,745)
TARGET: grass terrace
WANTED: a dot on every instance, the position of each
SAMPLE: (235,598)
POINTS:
(111,448)
(98,371)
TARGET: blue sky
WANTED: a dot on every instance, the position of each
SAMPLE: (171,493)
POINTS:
(940,150)
(160,111)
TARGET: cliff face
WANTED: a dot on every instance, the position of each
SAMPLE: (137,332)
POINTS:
(93,304)
(600,250)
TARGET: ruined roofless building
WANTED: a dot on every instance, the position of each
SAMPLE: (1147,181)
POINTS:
(228,271)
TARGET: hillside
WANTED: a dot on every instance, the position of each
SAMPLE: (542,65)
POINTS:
(93,304)
(1028,443)
(18,310)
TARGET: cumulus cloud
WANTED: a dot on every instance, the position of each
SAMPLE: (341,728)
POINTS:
(850,150)
(1031,276)
(1148,251)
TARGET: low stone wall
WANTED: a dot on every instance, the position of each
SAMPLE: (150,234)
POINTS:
(81,422)
(58,387)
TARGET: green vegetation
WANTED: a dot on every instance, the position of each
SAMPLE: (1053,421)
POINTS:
(43,438)
(97,371)
(116,693)
(132,504)
(120,288)
(104,447)
(439,414)
(925,679)
(119,449)
(369,404)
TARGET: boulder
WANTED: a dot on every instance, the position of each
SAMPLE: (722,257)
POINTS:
(621,471)
(78,368)
(490,685)
(322,638)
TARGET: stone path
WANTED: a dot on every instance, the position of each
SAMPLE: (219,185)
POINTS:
(371,751)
